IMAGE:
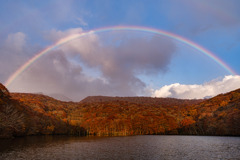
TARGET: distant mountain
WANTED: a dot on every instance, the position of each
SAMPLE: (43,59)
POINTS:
(207,97)
(37,114)
(60,97)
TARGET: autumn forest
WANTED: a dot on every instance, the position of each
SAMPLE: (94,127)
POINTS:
(23,114)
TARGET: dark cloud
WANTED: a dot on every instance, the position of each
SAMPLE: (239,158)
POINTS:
(64,70)
(146,56)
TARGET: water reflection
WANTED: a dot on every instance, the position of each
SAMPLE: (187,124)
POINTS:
(132,147)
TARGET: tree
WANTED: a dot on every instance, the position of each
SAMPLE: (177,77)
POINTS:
(11,120)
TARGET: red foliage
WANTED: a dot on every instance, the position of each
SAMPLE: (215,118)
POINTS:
(111,116)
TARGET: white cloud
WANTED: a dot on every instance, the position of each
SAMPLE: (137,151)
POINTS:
(82,21)
(55,35)
(209,89)
(16,42)
(13,53)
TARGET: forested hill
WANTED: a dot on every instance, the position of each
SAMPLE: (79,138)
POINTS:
(141,100)
(36,114)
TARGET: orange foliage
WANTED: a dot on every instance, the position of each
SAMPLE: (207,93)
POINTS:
(119,116)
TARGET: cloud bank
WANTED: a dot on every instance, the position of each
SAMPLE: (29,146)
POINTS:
(209,89)
(13,53)
(90,66)
(93,66)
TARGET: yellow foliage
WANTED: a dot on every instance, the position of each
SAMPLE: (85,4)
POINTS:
(50,128)
(223,103)
(74,122)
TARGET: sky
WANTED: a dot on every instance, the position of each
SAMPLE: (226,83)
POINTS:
(127,62)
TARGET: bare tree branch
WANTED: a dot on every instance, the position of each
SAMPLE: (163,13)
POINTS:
(10,117)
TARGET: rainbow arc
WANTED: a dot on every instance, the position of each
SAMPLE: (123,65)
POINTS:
(119,28)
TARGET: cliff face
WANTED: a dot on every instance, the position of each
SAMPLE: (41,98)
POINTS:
(35,114)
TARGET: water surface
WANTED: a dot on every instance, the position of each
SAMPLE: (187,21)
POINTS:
(131,147)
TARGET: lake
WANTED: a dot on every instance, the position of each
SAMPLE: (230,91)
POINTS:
(131,147)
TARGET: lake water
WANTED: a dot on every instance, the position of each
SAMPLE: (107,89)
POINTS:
(130,147)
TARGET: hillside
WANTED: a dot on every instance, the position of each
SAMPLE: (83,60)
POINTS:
(140,100)
(35,114)
(32,114)
(219,115)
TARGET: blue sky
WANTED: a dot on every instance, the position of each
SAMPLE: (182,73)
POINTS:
(121,63)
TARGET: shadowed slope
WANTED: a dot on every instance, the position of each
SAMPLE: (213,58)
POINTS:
(114,116)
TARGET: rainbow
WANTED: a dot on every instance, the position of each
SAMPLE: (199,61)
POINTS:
(119,28)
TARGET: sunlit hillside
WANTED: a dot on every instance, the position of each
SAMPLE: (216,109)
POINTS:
(35,114)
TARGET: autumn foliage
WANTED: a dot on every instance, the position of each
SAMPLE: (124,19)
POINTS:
(36,114)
